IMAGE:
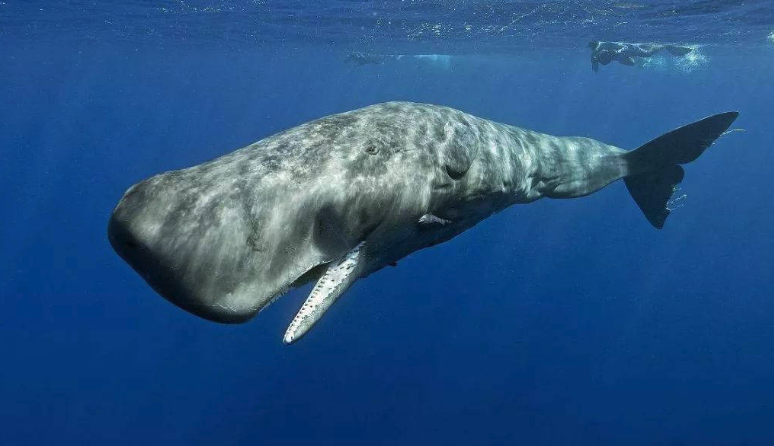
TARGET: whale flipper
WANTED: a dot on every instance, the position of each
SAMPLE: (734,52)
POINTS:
(338,277)
(654,167)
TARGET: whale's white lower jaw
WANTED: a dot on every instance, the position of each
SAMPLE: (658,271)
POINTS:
(337,278)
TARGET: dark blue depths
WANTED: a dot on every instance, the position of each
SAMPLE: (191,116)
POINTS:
(556,323)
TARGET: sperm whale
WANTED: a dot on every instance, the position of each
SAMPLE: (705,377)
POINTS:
(341,197)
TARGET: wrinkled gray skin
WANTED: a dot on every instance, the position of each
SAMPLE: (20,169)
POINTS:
(225,238)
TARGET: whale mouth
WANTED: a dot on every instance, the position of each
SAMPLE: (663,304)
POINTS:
(228,312)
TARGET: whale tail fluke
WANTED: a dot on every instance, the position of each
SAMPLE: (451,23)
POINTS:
(653,191)
(655,167)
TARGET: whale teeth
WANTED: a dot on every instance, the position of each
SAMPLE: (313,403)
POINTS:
(334,282)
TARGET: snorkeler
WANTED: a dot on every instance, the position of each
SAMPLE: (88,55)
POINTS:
(625,53)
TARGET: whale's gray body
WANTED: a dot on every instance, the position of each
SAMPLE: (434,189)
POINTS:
(341,197)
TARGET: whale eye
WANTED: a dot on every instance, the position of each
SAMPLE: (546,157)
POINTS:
(371,149)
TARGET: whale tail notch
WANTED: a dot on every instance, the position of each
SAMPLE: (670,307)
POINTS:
(655,168)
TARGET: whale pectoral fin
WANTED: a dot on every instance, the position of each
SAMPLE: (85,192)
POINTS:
(338,277)
(429,221)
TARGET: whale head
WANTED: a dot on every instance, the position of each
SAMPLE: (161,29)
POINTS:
(225,238)
(334,199)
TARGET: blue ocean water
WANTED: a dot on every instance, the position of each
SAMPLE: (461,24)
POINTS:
(569,322)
